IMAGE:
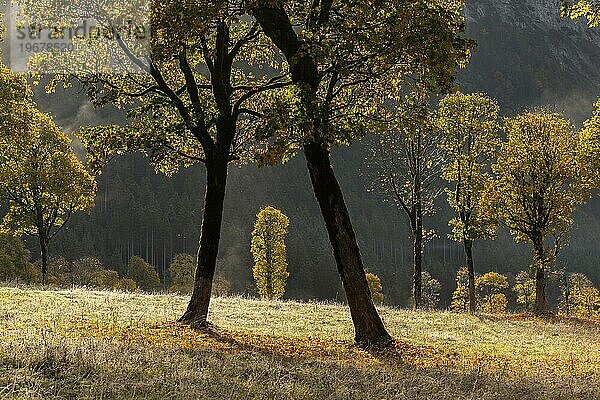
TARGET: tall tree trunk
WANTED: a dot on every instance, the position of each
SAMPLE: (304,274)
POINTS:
(216,182)
(417,223)
(44,255)
(417,264)
(468,245)
(540,277)
(369,329)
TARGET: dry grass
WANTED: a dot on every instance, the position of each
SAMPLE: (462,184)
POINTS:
(83,344)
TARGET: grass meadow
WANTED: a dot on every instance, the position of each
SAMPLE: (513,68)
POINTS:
(91,344)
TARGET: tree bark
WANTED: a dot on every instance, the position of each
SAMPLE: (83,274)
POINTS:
(417,224)
(540,278)
(417,263)
(44,256)
(369,328)
(468,245)
(216,182)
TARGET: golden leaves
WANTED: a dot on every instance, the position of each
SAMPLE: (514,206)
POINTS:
(269,252)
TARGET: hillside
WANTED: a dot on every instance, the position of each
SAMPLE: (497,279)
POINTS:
(526,57)
(83,344)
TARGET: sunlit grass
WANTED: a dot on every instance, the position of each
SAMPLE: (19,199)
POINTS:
(106,344)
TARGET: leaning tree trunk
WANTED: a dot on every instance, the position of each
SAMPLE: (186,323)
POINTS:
(369,329)
(468,244)
(540,278)
(216,182)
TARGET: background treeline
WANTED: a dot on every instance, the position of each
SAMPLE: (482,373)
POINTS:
(526,57)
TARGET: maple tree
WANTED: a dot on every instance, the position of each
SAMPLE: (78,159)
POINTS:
(41,178)
(538,183)
(470,129)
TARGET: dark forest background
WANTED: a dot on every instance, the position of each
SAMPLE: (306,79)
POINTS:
(526,57)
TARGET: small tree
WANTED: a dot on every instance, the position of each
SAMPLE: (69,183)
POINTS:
(375,287)
(490,287)
(269,252)
(403,167)
(525,290)
(460,297)
(143,274)
(469,123)
(538,184)
(579,296)
(43,182)
(431,291)
(182,271)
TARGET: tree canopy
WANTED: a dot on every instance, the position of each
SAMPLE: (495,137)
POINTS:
(42,179)
(355,56)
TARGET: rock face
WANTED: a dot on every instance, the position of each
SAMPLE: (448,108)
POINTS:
(527,57)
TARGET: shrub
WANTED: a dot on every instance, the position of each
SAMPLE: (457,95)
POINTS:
(143,274)
(490,287)
(221,286)
(579,297)
(14,259)
(525,290)
(32,274)
(430,291)
(126,285)
(182,271)
(460,297)
(59,272)
(83,270)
